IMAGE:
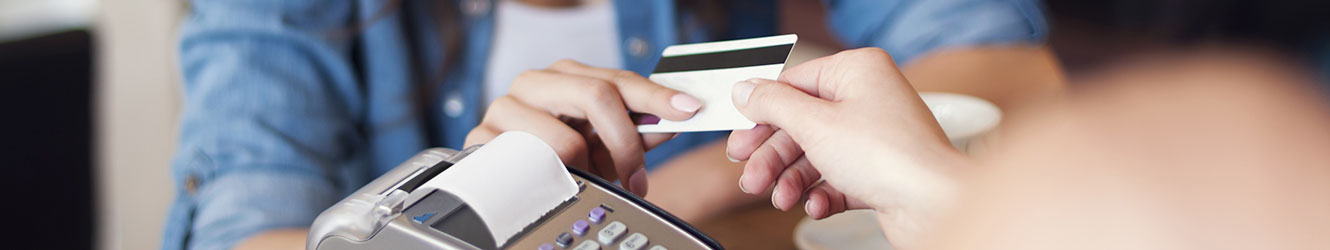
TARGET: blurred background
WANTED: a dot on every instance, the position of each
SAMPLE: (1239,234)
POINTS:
(90,100)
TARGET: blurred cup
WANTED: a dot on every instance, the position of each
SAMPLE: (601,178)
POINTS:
(963,118)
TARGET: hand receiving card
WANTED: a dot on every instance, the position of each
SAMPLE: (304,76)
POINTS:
(708,72)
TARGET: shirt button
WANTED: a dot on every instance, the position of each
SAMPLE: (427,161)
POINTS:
(191,184)
(475,7)
(637,46)
(452,105)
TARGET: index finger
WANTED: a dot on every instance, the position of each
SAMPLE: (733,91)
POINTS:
(639,93)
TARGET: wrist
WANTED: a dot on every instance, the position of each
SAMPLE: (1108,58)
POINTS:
(927,190)
(919,182)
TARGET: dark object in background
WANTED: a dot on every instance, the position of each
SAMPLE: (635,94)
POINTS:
(1086,33)
(46,114)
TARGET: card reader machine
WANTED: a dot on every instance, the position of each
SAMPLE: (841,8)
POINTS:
(390,213)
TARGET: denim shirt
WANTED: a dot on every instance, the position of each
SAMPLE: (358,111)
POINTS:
(292,104)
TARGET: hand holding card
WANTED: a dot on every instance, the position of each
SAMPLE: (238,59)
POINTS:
(582,112)
(708,72)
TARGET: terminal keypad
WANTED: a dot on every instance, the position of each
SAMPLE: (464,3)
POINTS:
(610,235)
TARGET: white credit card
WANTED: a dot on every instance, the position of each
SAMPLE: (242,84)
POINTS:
(708,71)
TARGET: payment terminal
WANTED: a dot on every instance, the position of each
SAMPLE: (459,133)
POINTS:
(391,212)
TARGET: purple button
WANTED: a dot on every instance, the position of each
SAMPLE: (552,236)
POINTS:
(546,246)
(580,227)
(597,214)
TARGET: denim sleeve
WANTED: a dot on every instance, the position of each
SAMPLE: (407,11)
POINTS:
(910,28)
(270,100)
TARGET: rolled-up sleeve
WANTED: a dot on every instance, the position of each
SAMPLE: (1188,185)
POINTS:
(910,28)
(270,96)
(237,205)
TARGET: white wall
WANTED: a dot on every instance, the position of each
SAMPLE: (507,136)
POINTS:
(21,19)
(137,105)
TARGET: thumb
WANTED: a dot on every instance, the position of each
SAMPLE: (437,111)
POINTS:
(770,102)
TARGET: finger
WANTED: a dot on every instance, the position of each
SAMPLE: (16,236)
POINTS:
(602,161)
(768,161)
(770,102)
(591,99)
(805,75)
(639,94)
(825,201)
(821,77)
(792,182)
(651,140)
(507,114)
(603,165)
(594,148)
(742,143)
(655,139)
(480,135)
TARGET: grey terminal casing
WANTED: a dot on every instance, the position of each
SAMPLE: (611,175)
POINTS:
(391,213)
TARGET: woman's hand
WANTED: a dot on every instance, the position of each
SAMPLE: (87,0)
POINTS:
(582,112)
(852,120)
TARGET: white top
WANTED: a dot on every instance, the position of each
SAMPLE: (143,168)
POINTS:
(530,37)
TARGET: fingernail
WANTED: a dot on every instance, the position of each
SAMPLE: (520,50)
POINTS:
(775,191)
(741,184)
(741,92)
(638,182)
(808,206)
(685,103)
(731,158)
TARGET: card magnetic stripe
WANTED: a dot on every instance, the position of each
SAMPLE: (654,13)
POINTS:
(758,56)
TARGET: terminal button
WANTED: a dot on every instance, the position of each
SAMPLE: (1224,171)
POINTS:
(545,246)
(580,227)
(587,245)
(564,239)
(597,214)
(612,232)
(634,242)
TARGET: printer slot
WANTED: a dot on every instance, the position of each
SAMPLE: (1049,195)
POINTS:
(426,175)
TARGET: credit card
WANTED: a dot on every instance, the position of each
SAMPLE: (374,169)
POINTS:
(708,71)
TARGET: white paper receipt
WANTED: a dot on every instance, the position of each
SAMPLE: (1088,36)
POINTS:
(708,72)
(510,182)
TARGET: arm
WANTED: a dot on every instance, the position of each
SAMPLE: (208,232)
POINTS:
(1006,76)
(950,46)
(851,120)
(1175,151)
(292,238)
(269,102)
